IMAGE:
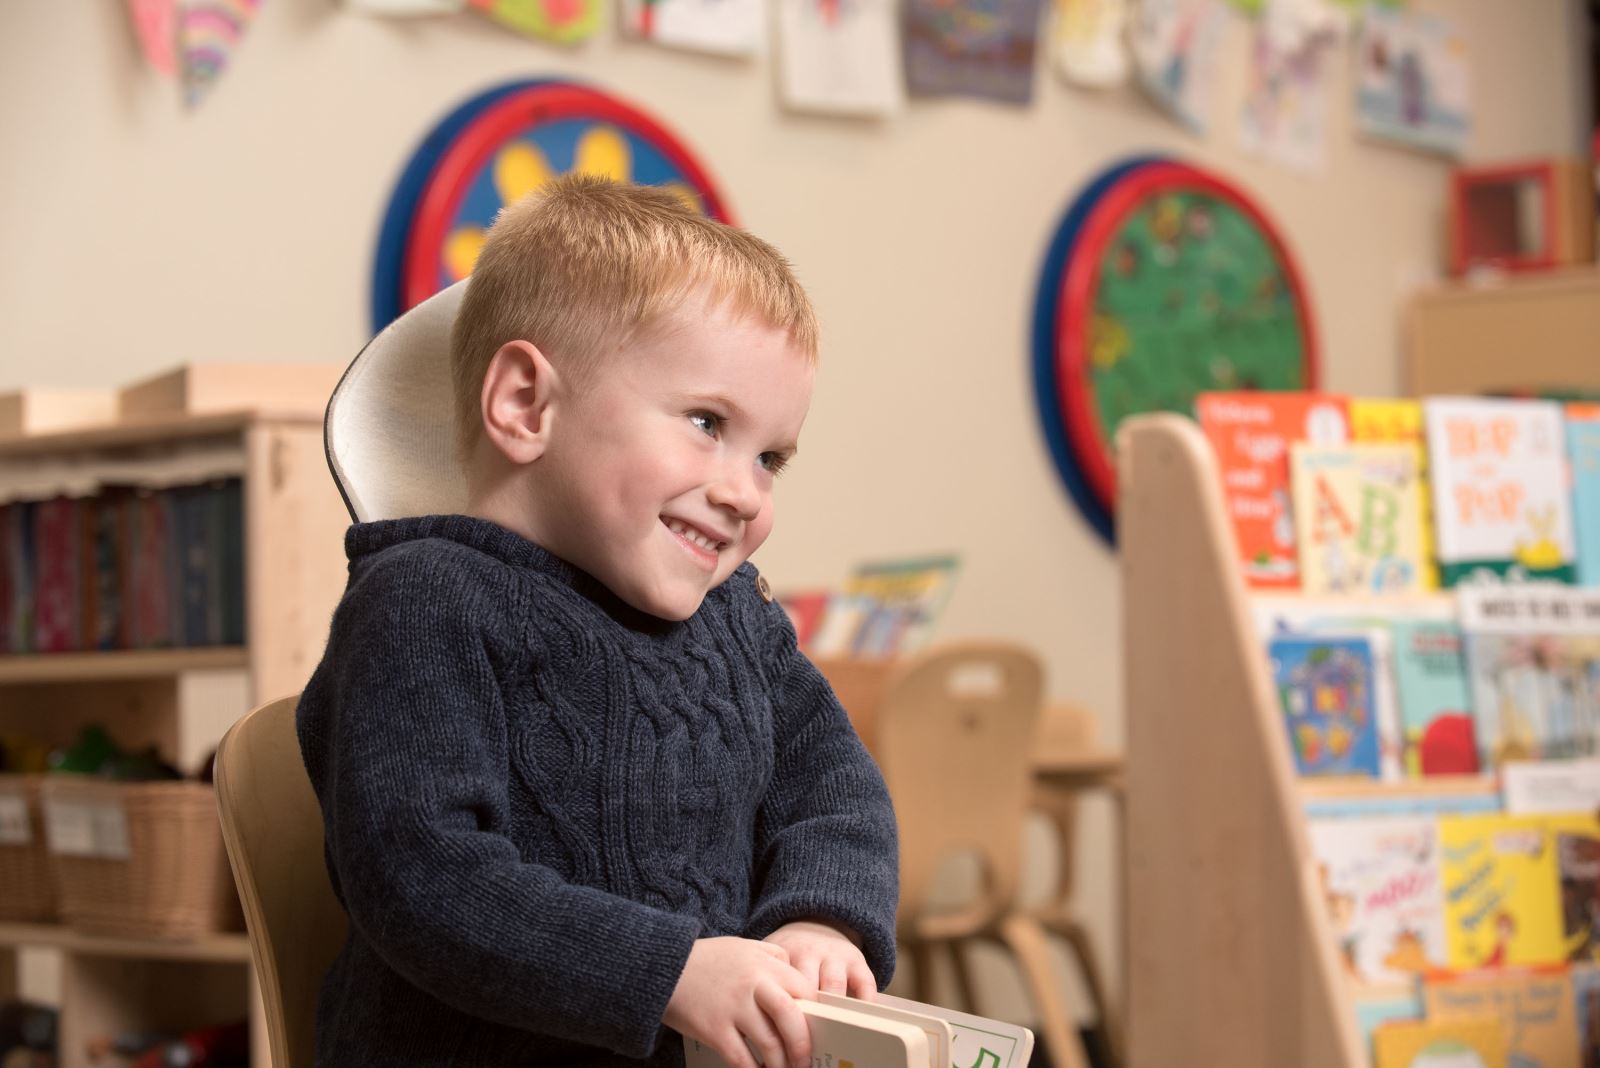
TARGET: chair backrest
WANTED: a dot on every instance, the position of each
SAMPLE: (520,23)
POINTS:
(389,431)
(273,829)
(955,740)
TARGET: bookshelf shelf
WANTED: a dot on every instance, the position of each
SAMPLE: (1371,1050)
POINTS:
(220,947)
(120,664)
(179,700)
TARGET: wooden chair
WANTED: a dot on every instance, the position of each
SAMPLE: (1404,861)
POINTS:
(272,826)
(1073,725)
(955,734)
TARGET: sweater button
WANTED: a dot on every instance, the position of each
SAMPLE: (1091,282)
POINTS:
(763,589)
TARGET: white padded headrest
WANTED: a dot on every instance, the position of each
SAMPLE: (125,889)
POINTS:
(388,430)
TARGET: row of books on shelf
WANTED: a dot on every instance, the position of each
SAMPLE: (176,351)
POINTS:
(1450,685)
(1475,912)
(882,610)
(1335,494)
(126,568)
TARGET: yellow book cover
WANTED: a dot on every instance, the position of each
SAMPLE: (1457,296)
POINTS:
(1535,1006)
(1358,515)
(1500,891)
(1464,1043)
(1380,419)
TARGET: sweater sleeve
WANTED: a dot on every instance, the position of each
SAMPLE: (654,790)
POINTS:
(826,845)
(403,731)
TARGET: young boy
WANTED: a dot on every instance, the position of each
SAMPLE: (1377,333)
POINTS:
(578,783)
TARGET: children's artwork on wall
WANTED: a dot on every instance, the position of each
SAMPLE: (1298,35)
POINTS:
(208,33)
(495,149)
(1285,116)
(724,27)
(1086,42)
(155,23)
(1162,281)
(1412,83)
(405,8)
(560,21)
(1175,51)
(840,57)
(982,48)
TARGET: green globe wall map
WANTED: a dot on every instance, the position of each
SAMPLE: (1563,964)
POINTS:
(1163,282)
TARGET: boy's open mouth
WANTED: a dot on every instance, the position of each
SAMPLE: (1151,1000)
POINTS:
(695,537)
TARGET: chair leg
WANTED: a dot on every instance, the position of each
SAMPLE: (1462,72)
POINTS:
(921,971)
(1028,943)
(963,973)
(1089,965)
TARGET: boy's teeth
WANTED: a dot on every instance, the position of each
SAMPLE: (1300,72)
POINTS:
(692,536)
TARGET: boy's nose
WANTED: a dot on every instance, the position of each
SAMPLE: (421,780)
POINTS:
(736,491)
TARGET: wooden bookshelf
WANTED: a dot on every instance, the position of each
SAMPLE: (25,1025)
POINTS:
(180,700)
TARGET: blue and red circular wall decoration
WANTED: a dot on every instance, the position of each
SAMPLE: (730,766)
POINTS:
(495,148)
(1162,281)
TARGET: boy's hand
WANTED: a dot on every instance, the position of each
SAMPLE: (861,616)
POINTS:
(735,990)
(827,957)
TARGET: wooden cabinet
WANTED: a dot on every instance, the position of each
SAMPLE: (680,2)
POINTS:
(181,700)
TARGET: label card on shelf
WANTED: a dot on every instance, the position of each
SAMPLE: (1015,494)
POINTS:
(87,829)
(15,828)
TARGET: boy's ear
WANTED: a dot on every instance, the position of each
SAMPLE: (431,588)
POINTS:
(519,390)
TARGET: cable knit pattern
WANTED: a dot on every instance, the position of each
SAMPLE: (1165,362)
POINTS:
(536,798)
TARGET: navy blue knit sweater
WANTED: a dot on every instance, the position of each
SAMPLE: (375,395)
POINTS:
(536,798)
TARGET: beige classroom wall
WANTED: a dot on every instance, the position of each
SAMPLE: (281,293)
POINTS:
(136,235)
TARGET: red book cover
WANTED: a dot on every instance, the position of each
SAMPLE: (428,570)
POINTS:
(88,588)
(1251,434)
(57,531)
(805,612)
(150,581)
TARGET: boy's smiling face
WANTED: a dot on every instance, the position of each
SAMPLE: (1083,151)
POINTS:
(658,475)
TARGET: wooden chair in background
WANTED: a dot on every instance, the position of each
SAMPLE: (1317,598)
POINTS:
(1072,727)
(272,826)
(954,736)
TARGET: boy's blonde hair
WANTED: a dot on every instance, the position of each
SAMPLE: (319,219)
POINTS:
(584,264)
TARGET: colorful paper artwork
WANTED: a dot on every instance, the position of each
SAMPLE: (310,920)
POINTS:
(1285,117)
(982,48)
(156,24)
(840,57)
(1086,42)
(723,27)
(1412,83)
(1175,52)
(560,21)
(208,33)
(405,8)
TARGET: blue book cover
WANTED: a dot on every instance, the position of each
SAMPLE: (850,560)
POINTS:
(1583,448)
(1436,721)
(1327,690)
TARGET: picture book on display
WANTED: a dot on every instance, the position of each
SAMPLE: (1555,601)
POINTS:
(892,1032)
(1501,500)
(1397,419)
(1500,879)
(1327,691)
(1430,679)
(1583,451)
(884,609)
(1380,877)
(1358,514)
(1536,1009)
(1251,434)
(1533,653)
(1464,1043)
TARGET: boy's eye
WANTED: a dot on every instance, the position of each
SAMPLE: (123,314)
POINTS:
(706,423)
(774,462)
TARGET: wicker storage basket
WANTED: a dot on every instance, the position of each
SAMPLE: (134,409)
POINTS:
(156,871)
(27,883)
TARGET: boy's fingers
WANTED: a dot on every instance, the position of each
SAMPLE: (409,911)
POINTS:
(775,950)
(734,1051)
(831,976)
(789,1022)
(863,984)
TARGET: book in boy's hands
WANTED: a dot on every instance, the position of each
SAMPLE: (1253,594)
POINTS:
(893,1032)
